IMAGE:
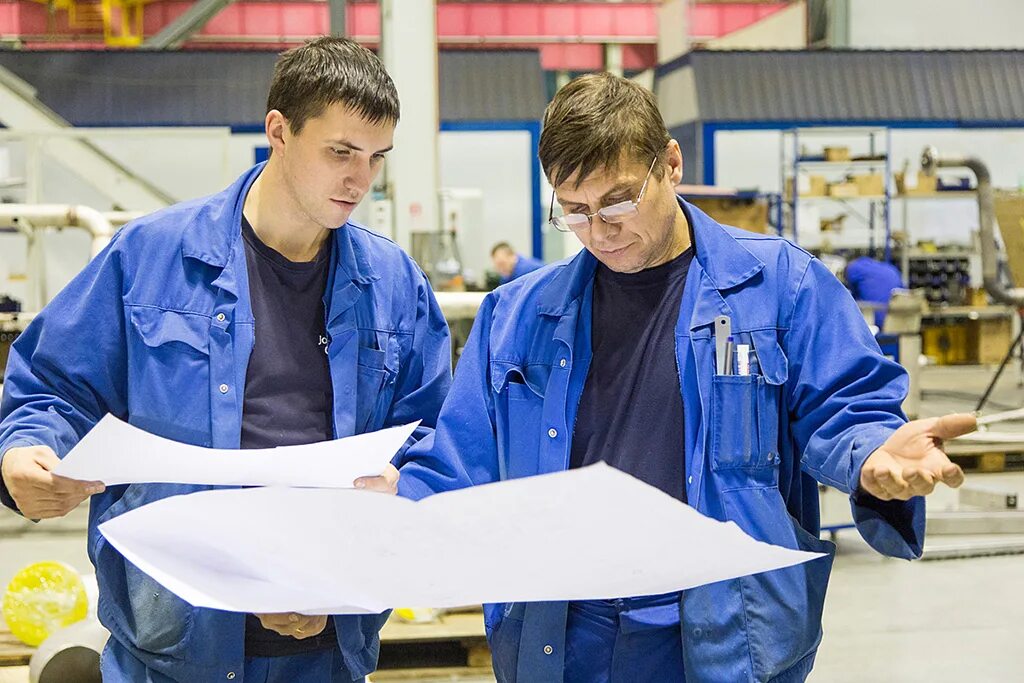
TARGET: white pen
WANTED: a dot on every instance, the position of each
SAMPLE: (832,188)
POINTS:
(743,359)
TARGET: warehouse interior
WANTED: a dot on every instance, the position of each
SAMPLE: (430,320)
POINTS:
(885,139)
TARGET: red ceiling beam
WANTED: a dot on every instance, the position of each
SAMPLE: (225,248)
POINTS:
(570,35)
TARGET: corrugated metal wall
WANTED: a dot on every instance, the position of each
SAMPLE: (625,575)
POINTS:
(230,88)
(837,86)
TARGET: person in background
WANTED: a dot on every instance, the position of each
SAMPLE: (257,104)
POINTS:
(873,281)
(509,265)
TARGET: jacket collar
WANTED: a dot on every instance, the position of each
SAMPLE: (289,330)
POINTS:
(215,228)
(723,259)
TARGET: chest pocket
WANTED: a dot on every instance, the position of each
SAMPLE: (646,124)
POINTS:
(519,411)
(376,372)
(169,373)
(171,330)
(745,411)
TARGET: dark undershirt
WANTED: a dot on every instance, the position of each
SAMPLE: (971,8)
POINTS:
(288,396)
(631,411)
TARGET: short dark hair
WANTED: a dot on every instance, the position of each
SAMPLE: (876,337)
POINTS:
(501,246)
(327,70)
(597,121)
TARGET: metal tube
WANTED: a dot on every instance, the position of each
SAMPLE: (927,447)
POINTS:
(930,161)
(62,215)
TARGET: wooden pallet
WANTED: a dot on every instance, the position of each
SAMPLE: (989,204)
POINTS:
(13,652)
(453,643)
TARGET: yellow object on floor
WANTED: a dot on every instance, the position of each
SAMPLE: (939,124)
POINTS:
(43,598)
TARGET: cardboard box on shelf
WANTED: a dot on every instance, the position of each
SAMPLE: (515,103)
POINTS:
(817,186)
(838,153)
(989,340)
(807,186)
(871,184)
(915,183)
(1010,217)
(845,189)
(749,214)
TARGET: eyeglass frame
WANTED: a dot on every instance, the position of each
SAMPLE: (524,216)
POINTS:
(635,204)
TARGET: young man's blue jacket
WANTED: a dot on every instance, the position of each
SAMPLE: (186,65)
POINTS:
(158,330)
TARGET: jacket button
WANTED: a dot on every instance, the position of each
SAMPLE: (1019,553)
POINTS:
(697,633)
(689,479)
(224,388)
(231,675)
(548,649)
(552,433)
(562,363)
(221,317)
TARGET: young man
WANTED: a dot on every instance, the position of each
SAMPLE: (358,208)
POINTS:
(257,317)
(611,356)
(509,265)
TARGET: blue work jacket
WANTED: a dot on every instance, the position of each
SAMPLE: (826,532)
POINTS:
(158,330)
(823,400)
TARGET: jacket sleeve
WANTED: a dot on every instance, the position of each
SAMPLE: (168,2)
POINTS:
(844,398)
(425,375)
(69,367)
(462,450)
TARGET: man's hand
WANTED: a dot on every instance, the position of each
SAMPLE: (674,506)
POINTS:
(295,625)
(385,483)
(28,474)
(911,462)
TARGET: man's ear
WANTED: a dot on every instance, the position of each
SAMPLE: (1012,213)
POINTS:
(278,133)
(674,161)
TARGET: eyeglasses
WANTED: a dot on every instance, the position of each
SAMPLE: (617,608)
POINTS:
(616,213)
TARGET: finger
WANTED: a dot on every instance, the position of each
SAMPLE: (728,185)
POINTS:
(46,459)
(75,487)
(869,482)
(313,623)
(954,425)
(920,482)
(275,621)
(952,475)
(380,484)
(309,627)
(892,482)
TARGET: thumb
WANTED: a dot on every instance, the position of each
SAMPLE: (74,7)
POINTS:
(954,425)
(46,459)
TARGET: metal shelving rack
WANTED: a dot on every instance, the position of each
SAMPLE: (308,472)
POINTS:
(793,161)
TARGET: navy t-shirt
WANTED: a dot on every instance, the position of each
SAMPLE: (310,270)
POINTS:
(631,411)
(288,396)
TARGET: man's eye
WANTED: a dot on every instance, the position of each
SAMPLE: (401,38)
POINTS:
(341,152)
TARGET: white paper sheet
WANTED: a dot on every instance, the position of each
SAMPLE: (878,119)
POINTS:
(584,534)
(115,452)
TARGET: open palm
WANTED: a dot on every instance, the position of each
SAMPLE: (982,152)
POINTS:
(911,462)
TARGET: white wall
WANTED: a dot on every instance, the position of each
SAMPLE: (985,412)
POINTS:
(751,159)
(927,24)
(498,163)
(188,163)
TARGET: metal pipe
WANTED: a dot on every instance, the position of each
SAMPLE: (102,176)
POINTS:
(61,215)
(119,218)
(930,162)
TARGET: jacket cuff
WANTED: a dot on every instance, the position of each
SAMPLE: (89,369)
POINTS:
(13,442)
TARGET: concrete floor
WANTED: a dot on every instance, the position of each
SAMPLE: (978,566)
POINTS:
(885,620)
